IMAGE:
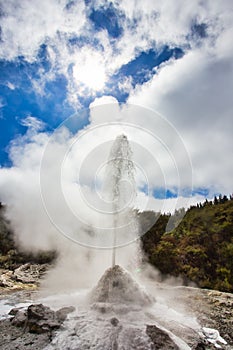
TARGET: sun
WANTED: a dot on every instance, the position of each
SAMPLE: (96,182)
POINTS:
(90,71)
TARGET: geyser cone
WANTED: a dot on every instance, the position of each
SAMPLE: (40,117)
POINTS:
(117,286)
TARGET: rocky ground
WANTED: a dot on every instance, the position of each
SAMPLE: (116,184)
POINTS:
(14,331)
(35,326)
(32,328)
(26,276)
(215,310)
(212,309)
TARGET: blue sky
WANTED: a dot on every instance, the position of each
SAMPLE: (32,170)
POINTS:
(59,57)
(20,99)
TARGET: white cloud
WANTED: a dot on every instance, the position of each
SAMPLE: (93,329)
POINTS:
(10,85)
(103,100)
(194,93)
(126,84)
(28,25)
(33,123)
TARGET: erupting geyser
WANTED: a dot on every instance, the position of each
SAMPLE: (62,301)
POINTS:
(120,188)
(117,286)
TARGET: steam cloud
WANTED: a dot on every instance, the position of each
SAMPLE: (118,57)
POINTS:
(44,195)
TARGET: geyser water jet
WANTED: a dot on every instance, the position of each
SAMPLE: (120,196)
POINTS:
(120,187)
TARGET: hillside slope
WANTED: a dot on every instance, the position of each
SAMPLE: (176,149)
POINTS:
(200,249)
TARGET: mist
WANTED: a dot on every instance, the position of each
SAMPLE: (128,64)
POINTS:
(52,190)
(41,220)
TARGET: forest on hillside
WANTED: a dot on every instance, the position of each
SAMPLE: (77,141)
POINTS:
(199,249)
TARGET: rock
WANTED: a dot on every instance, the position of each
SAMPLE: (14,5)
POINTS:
(39,318)
(16,338)
(45,326)
(20,319)
(213,336)
(27,276)
(200,346)
(13,311)
(29,273)
(160,339)
(114,321)
(6,279)
(39,312)
(63,312)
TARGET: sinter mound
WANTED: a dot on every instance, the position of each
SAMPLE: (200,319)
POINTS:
(116,286)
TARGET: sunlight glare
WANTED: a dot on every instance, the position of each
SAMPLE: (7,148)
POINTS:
(91,73)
